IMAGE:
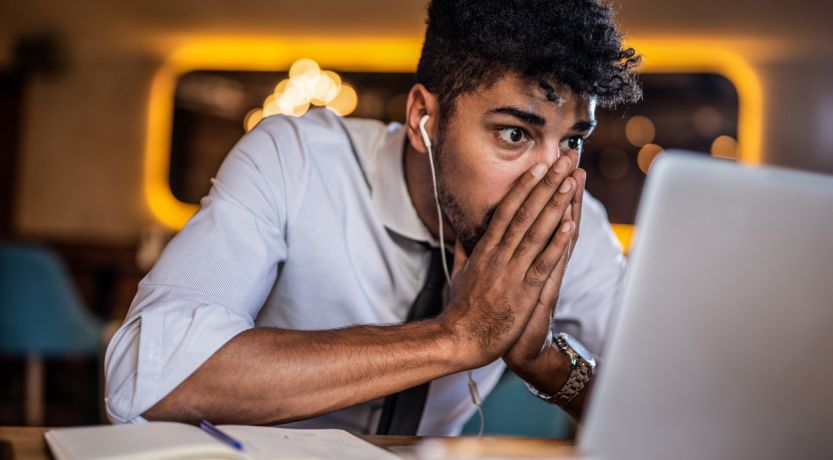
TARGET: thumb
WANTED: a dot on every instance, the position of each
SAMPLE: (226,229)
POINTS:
(460,257)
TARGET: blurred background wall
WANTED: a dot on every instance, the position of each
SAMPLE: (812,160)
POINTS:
(84,115)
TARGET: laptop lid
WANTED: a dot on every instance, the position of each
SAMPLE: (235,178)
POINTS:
(723,347)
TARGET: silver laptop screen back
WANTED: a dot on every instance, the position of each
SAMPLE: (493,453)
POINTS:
(723,347)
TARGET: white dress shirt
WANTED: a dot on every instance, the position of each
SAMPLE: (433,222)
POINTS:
(302,231)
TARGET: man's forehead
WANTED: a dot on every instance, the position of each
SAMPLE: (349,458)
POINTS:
(535,92)
(545,98)
(556,96)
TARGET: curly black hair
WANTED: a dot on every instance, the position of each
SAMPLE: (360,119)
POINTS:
(469,44)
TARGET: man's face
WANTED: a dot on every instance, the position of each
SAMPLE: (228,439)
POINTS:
(496,134)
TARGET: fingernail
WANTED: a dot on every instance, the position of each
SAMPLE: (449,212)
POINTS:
(566,227)
(539,170)
(566,186)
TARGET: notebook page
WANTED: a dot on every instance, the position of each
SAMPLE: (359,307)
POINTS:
(261,443)
(155,440)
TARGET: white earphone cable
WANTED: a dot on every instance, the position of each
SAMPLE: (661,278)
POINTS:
(473,391)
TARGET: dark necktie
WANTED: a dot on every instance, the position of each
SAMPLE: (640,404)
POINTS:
(402,411)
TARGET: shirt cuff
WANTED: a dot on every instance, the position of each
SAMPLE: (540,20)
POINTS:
(159,349)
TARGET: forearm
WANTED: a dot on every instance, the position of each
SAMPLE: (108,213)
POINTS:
(268,376)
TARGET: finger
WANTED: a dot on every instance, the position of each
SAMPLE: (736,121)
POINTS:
(522,234)
(545,304)
(460,257)
(580,176)
(535,332)
(508,206)
(536,237)
(568,216)
(541,269)
(552,287)
(574,156)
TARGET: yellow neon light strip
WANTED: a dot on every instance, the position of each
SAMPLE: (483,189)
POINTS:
(399,55)
(363,54)
(689,56)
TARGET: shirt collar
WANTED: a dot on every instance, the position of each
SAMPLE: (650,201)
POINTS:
(390,191)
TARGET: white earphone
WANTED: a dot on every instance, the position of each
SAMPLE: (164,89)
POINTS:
(427,141)
(424,133)
(473,391)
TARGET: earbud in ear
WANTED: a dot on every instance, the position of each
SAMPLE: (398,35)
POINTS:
(423,132)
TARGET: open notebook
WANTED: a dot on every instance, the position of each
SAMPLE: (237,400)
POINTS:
(169,440)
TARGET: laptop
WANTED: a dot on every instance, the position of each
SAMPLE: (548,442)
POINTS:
(723,347)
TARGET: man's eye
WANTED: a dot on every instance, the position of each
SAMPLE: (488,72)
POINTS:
(512,135)
(573,143)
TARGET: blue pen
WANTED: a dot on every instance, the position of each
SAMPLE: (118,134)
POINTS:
(219,435)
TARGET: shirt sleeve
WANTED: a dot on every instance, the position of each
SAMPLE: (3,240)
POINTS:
(212,278)
(592,284)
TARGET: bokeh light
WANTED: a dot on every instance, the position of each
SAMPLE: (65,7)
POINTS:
(281,87)
(326,88)
(708,121)
(252,118)
(345,102)
(725,147)
(307,85)
(270,106)
(304,73)
(640,130)
(647,154)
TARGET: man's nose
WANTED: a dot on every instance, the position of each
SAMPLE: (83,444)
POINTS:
(548,156)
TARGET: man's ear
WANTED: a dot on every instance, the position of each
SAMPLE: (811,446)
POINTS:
(421,102)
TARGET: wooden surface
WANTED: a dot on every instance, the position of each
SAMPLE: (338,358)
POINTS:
(28,443)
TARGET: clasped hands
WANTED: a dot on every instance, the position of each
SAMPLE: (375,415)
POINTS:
(504,294)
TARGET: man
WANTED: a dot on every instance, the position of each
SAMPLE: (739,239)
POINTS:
(284,298)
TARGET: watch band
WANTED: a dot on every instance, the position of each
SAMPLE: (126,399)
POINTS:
(580,373)
(576,382)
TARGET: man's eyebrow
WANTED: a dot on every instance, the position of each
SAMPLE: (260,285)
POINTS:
(584,125)
(523,115)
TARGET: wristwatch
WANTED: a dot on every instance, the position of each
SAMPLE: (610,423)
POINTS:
(582,364)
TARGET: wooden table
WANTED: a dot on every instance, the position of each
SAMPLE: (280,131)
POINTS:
(28,443)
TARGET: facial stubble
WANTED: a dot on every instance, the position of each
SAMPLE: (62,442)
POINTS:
(468,232)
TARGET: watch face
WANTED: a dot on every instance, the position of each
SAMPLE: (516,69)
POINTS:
(579,349)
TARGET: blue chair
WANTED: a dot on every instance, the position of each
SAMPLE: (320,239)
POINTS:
(41,316)
(511,410)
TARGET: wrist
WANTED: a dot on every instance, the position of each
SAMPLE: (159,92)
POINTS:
(582,365)
(451,346)
(462,348)
(548,372)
